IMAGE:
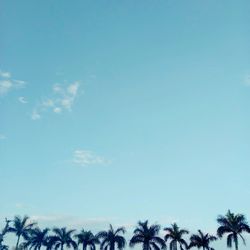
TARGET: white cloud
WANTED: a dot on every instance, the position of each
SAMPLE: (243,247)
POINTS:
(73,88)
(57,110)
(2,137)
(97,223)
(61,99)
(8,84)
(22,100)
(5,86)
(19,205)
(35,115)
(5,74)
(86,157)
(57,88)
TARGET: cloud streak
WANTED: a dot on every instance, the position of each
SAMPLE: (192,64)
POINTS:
(87,157)
(95,223)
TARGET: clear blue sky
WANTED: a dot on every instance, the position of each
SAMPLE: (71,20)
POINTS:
(115,111)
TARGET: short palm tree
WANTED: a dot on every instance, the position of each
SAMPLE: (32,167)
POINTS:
(175,235)
(87,238)
(147,236)
(4,247)
(21,228)
(201,240)
(49,242)
(36,238)
(232,225)
(62,237)
(112,238)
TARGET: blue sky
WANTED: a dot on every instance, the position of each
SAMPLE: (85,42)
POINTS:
(115,111)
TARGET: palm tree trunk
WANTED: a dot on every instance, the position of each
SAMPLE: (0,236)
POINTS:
(236,245)
(61,246)
(236,241)
(112,246)
(17,243)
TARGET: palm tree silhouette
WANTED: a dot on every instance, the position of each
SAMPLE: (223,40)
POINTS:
(2,234)
(86,238)
(62,237)
(147,236)
(112,238)
(201,240)
(233,225)
(175,235)
(21,227)
(36,238)
(49,242)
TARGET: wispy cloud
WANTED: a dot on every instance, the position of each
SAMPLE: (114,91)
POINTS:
(61,99)
(95,223)
(22,100)
(87,157)
(7,83)
(2,137)
(19,205)
(5,74)
(35,115)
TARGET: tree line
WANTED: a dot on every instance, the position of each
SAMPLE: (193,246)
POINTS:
(31,237)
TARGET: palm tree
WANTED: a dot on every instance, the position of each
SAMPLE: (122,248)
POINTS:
(233,225)
(201,240)
(4,247)
(2,234)
(112,238)
(62,237)
(36,238)
(49,242)
(147,236)
(175,235)
(86,238)
(21,227)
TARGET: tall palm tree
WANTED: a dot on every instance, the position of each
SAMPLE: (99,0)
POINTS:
(147,236)
(21,227)
(112,238)
(201,240)
(87,238)
(175,235)
(36,238)
(62,237)
(232,225)
(2,234)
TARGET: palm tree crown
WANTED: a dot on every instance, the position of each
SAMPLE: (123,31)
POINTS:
(21,227)
(112,238)
(2,234)
(201,240)
(62,237)
(233,225)
(36,238)
(86,238)
(147,236)
(175,235)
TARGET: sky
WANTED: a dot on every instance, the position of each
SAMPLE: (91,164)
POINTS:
(119,111)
